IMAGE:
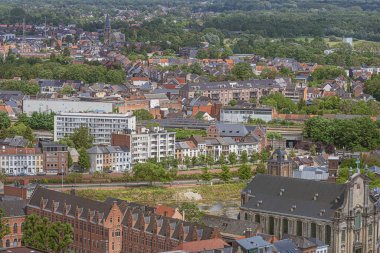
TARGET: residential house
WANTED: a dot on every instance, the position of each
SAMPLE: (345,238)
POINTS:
(109,159)
(253,244)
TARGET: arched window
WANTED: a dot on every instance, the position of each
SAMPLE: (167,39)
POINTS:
(15,243)
(257,218)
(271,225)
(7,243)
(285,226)
(358,220)
(313,232)
(327,234)
(15,228)
(299,228)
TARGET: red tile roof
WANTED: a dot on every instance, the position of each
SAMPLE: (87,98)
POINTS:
(197,246)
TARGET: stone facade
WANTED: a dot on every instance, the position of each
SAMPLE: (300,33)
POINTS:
(346,220)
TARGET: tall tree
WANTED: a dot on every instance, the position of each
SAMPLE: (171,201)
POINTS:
(245,172)
(232,158)
(191,211)
(150,172)
(242,71)
(5,121)
(60,236)
(84,159)
(142,114)
(244,156)
(82,138)
(4,227)
(225,175)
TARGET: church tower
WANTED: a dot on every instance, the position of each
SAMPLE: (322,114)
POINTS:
(107,31)
(280,164)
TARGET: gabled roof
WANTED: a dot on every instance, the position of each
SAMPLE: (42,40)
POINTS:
(13,208)
(71,200)
(297,197)
(286,246)
(255,242)
(201,246)
(231,130)
(228,225)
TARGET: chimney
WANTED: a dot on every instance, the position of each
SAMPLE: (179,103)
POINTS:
(248,233)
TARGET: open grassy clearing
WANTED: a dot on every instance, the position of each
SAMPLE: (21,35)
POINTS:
(170,195)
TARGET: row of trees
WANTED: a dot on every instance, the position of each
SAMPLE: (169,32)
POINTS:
(352,134)
(55,70)
(320,106)
(38,121)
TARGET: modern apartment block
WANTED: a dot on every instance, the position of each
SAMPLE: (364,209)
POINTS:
(146,143)
(101,125)
(109,158)
(237,114)
(19,161)
(64,105)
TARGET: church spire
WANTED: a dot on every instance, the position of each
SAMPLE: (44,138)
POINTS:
(107,31)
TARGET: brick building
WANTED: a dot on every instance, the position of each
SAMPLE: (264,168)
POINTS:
(97,225)
(14,215)
(55,157)
(115,225)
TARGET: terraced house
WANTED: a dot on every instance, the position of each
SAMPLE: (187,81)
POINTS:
(224,92)
(116,226)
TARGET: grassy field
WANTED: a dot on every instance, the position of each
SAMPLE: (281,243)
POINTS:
(170,195)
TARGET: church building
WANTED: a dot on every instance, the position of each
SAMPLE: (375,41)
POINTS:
(343,216)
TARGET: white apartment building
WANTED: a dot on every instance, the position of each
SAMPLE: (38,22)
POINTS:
(147,143)
(18,161)
(242,115)
(112,158)
(100,125)
(64,105)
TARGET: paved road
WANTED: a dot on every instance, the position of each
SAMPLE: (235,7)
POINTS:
(112,175)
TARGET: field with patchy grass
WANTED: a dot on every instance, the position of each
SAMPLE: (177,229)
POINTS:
(170,195)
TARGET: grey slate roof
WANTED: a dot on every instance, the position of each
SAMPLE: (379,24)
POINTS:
(253,243)
(71,200)
(13,208)
(286,246)
(297,198)
(232,130)
(228,225)
(375,169)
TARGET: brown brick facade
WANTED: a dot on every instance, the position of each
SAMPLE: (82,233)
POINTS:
(114,225)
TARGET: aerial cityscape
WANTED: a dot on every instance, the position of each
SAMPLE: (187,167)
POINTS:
(190,126)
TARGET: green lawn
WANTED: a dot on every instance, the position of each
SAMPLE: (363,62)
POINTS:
(170,195)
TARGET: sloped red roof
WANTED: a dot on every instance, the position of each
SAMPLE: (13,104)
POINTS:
(202,245)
